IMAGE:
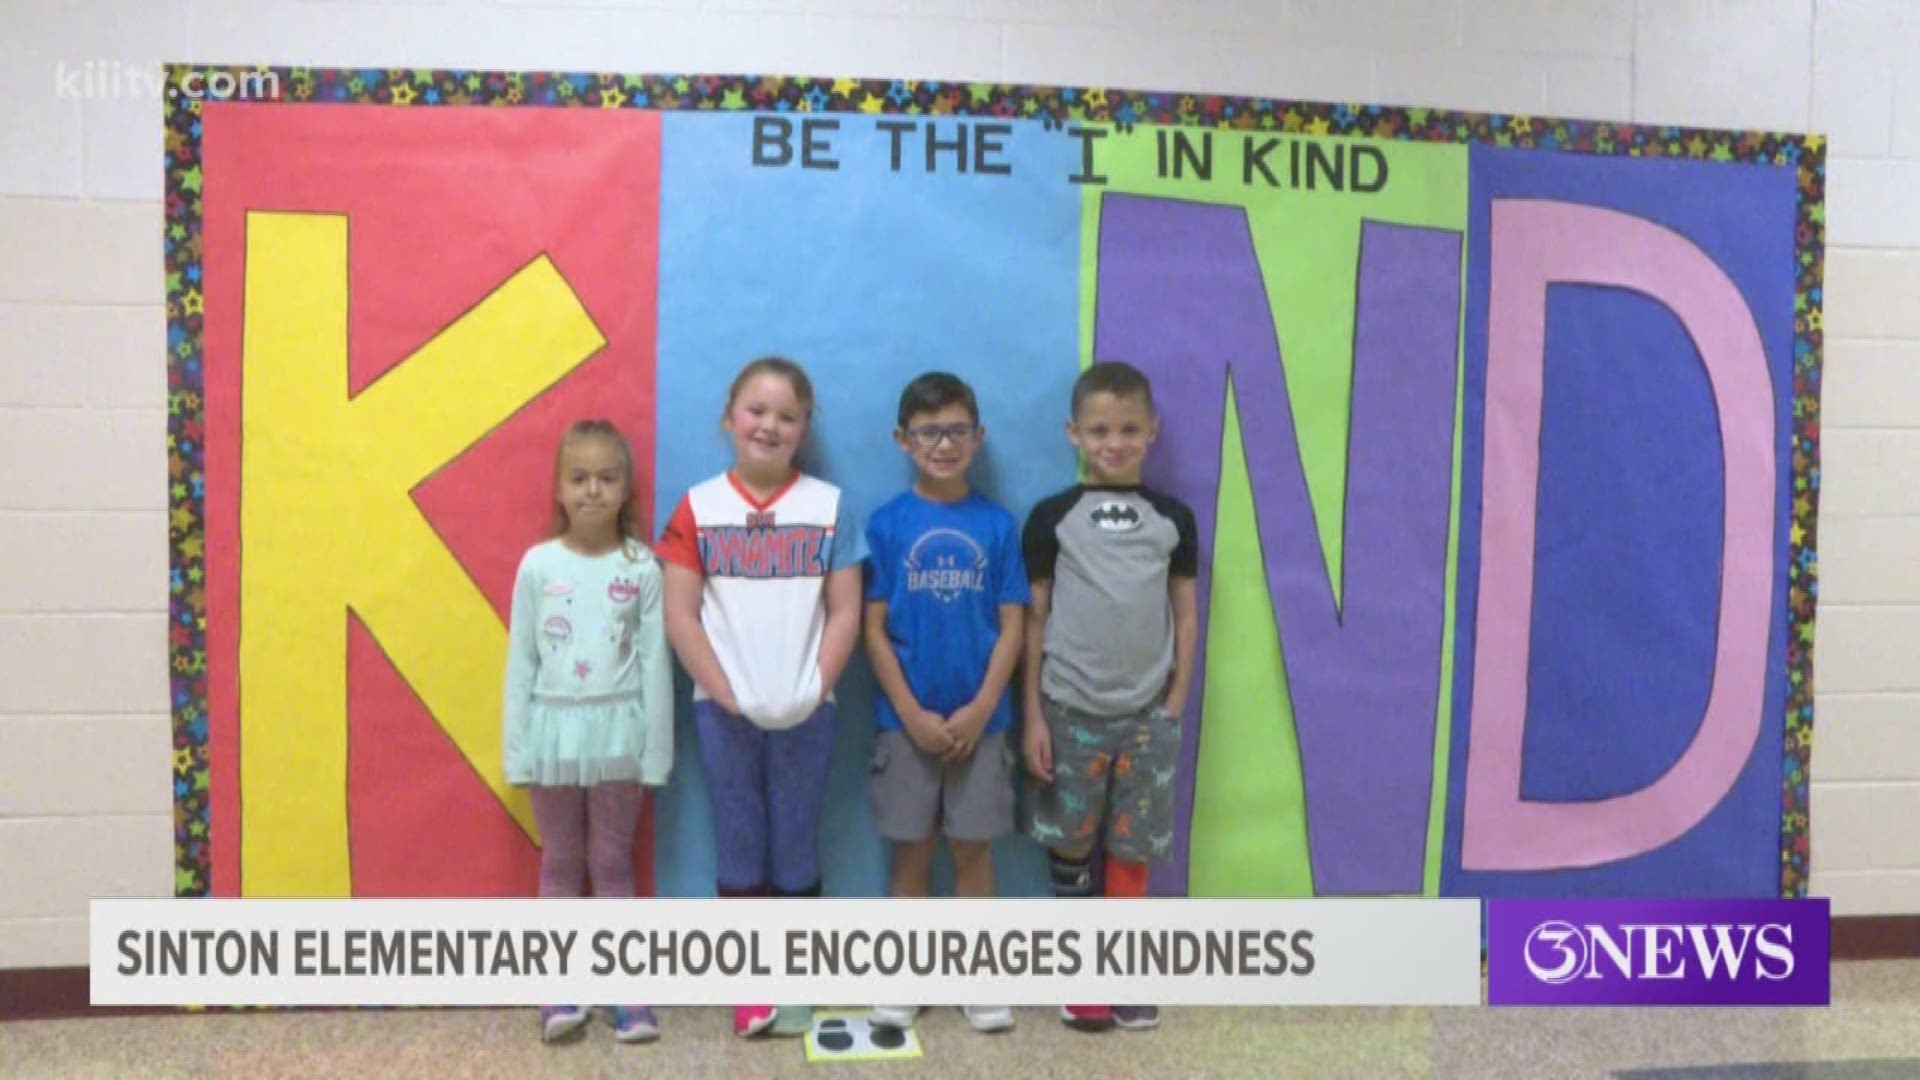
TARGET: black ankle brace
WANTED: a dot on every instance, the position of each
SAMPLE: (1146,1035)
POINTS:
(1070,877)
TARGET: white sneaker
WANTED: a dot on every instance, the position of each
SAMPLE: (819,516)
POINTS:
(899,1017)
(986,1018)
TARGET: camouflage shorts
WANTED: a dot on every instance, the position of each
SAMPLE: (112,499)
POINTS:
(1116,770)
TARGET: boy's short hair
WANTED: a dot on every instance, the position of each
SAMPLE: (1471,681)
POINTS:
(1116,377)
(935,391)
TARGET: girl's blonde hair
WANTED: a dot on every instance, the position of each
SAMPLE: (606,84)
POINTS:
(627,520)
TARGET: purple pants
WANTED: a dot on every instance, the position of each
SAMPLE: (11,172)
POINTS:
(586,830)
(768,788)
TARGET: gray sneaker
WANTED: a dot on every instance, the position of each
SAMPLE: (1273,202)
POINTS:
(635,1023)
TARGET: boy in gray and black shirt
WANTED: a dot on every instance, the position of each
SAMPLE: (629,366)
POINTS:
(1109,654)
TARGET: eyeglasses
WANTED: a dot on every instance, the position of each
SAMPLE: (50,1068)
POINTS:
(928,436)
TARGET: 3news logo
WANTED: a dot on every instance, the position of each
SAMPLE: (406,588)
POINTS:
(1559,952)
(1657,952)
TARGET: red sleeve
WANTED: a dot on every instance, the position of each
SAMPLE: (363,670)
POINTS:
(680,540)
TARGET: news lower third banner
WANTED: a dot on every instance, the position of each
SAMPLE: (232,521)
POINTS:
(1399,951)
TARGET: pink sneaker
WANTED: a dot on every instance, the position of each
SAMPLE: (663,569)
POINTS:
(749,1020)
(1087,1017)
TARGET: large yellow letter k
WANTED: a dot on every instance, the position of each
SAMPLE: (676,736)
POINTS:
(328,524)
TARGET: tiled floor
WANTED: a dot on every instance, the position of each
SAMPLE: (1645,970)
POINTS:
(1871,1032)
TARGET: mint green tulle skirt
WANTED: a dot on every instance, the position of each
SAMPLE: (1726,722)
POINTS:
(581,741)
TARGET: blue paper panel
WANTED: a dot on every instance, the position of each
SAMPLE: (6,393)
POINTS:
(867,277)
(1627,548)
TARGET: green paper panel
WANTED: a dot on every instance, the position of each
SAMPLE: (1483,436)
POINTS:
(1249,831)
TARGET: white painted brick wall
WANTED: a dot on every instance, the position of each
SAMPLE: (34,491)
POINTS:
(1870,293)
(1587,89)
(66,861)
(1864,736)
(1867,648)
(1867,718)
(1871,383)
(1904,122)
(1724,63)
(116,755)
(1869,560)
(63,251)
(84,749)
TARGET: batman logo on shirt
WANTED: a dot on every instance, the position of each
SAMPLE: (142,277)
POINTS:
(1115,516)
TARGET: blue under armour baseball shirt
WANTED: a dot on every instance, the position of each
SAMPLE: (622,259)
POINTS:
(944,569)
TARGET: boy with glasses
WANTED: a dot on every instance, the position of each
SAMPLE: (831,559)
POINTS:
(946,604)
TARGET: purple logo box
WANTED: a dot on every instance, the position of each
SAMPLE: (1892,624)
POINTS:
(1657,952)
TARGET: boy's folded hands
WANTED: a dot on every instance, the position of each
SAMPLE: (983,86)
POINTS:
(964,728)
(928,731)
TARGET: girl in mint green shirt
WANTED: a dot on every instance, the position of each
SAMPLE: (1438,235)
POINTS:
(588,709)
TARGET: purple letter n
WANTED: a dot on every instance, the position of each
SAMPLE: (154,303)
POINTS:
(1180,296)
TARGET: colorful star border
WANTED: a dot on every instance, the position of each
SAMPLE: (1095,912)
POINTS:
(427,88)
